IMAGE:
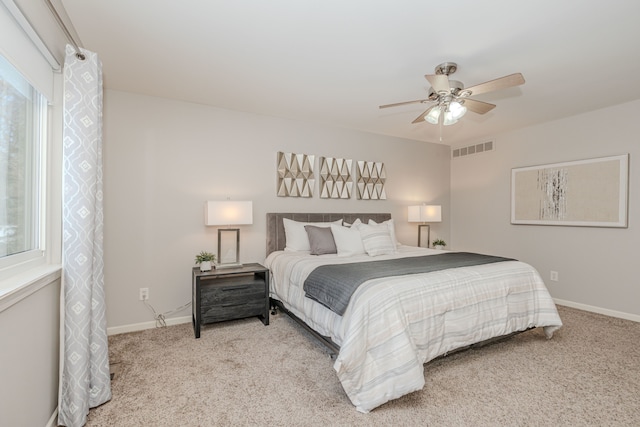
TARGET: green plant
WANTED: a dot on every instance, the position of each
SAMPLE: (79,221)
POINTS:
(439,242)
(205,256)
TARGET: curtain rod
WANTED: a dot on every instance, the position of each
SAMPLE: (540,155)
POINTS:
(81,56)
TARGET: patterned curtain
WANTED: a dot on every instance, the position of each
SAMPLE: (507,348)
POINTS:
(85,381)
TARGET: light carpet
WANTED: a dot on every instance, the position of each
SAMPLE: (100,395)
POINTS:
(244,373)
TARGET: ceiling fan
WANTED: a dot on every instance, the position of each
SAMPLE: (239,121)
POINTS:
(452,100)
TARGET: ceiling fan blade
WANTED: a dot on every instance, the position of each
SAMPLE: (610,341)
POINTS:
(478,107)
(501,83)
(439,82)
(404,103)
(420,118)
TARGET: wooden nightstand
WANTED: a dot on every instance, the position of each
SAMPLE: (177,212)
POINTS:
(230,293)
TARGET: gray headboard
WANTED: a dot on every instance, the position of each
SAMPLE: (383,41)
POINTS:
(275,226)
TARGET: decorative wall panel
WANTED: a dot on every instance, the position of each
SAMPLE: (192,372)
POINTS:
(584,193)
(295,175)
(336,180)
(370,177)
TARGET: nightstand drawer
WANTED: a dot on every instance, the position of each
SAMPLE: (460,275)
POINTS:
(228,294)
(219,313)
(232,298)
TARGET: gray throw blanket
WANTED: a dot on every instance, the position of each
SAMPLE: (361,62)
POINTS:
(332,285)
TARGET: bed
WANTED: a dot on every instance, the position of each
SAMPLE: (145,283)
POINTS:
(394,324)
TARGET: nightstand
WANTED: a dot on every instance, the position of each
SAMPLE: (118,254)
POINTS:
(230,293)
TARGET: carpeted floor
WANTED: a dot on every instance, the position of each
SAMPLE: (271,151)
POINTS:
(244,373)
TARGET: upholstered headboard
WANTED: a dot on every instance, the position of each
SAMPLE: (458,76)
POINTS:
(275,227)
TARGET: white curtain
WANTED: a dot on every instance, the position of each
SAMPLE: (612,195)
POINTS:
(85,381)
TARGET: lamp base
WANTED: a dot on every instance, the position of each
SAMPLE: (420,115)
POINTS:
(228,246)
(420,238)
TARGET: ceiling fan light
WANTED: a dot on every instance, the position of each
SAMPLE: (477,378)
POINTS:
(449,119)
(433,115)
(457,110)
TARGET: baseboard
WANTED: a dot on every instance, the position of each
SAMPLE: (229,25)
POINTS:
(186,319)
(599,310)
(146,325)
(53,421)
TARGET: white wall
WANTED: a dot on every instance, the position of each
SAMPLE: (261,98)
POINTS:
(597,266)
(164,158)
(29,358)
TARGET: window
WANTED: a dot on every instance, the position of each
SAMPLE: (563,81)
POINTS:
(22,131)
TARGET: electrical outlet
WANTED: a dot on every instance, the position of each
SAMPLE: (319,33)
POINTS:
(554,276)
(144,294)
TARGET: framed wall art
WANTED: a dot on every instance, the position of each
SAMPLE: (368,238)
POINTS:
(336,180)
(295,175)
(589,193)
(370,180)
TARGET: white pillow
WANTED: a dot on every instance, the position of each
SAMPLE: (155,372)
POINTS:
(296,236)
(392,230)
(348,240)
(376,239)
(355,224)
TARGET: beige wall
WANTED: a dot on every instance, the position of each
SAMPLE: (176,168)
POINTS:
(29,358)
(164,158)
(597,266)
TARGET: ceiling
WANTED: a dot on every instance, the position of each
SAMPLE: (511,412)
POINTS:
(333,62)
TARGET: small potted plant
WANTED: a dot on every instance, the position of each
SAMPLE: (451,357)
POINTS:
(439,244)
(205,259)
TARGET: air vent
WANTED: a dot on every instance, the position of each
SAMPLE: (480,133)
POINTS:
(482,147)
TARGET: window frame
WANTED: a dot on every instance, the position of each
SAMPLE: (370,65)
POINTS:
(37,151)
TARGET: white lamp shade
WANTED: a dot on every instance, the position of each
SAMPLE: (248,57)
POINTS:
(228,213)
(454,111)
(449,119)
(457,110)
(425,213)
(433,115)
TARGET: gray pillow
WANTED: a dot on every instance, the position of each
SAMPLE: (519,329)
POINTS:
(321,240)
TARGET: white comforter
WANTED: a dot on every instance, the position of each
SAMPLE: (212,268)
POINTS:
(392,326)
